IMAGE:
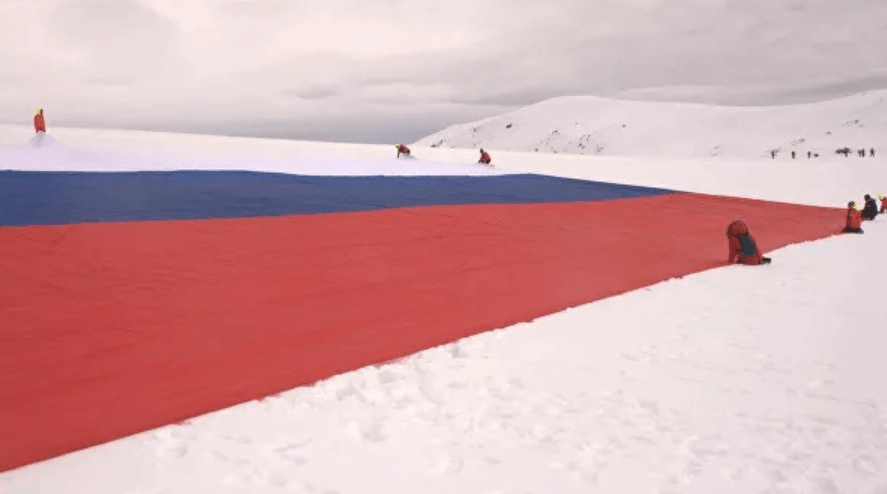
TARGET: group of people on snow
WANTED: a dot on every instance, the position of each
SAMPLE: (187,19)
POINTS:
(859,152)
(869,211)
(845,151)
(485,159)
(743,249)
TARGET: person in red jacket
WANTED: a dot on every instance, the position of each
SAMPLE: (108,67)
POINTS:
(883,204)
(402,150)
(742,246)
(39,121)
(484,158)
(854,219)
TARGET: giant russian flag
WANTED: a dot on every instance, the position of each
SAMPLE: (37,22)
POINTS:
(135,299)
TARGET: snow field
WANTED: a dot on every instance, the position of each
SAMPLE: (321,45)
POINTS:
(733,380)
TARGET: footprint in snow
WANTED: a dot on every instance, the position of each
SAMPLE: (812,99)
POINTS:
(451,465)
(866,465)
(372,432)
(290,453)
(169,444)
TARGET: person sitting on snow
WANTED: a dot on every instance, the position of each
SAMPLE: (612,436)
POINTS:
(854,219)
(402,150)
(742,246)
(883,204)
(870,210)
(39,121)
(484,158)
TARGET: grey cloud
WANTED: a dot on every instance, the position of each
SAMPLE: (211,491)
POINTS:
(362,124)
(258,8)
(712,46)
(111,81)
(291,62)
(317,93)
(761,95)
(114,36)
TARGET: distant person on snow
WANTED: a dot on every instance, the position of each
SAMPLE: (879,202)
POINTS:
(883,204)
(402,150)
(742,246)
(39,121)
(872,153)
(870,210)
(484,158)
(854,219)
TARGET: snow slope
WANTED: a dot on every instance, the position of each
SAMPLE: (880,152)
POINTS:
(827,181)
(53,155)
(121,150)
(734,380)
(607,127)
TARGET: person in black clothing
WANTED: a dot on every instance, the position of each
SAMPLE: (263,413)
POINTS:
(870,210)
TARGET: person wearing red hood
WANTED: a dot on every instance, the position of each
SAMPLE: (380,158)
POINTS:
(402,150)
(484,158)
(854,219)
(39,121)
(742,246)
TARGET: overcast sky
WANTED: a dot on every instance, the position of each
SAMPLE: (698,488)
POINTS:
(396,70)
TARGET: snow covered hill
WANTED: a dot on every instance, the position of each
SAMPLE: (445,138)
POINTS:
(731,381)
(607,127)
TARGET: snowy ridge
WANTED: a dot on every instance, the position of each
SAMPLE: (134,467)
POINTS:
(607,127)
(123,150)
(826,181)
(730,381)
(53,155)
